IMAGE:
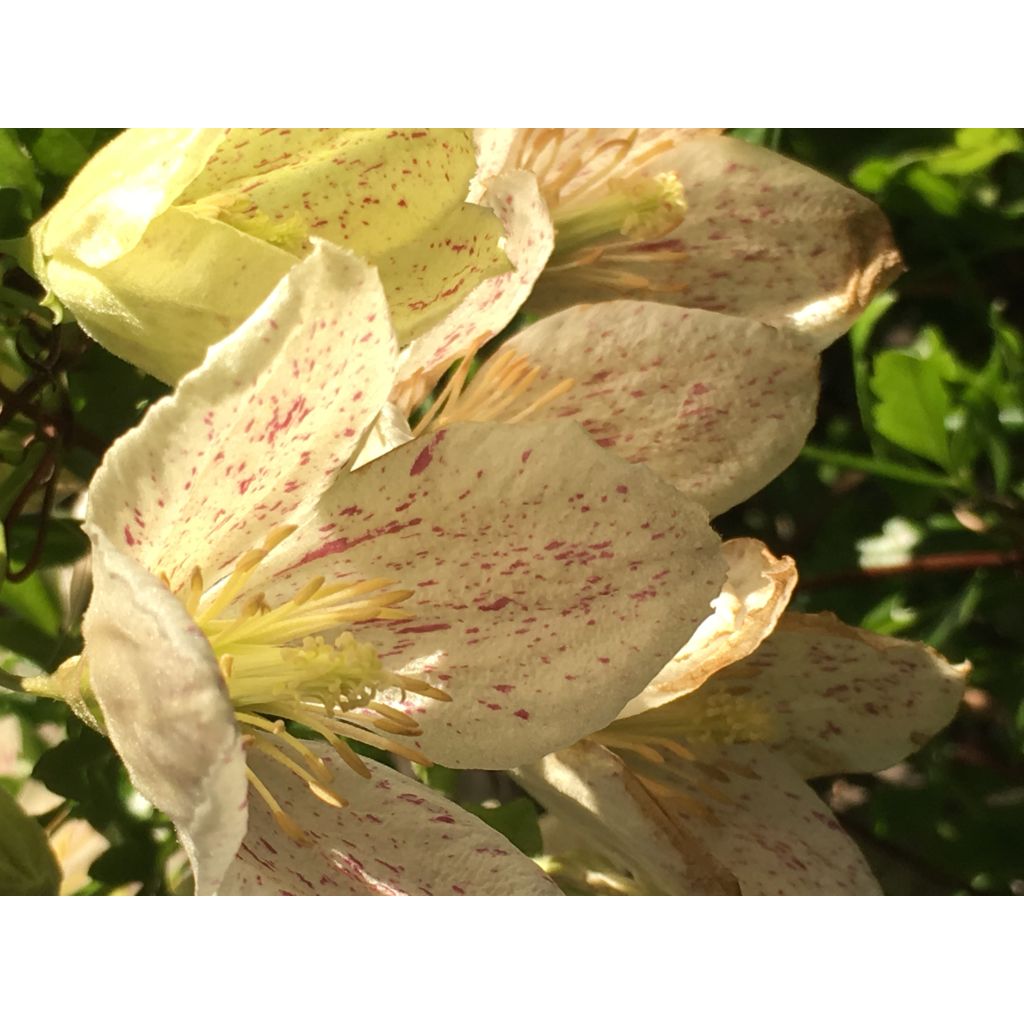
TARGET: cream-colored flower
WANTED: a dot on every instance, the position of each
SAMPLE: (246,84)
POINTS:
(699,785)
(169,238)
(477,597)
(695,219)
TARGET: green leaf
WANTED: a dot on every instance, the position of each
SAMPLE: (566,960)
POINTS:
(976,149)
(18,175)
(516,821)
(65,542)
(27,864)
(80,768)
(444,780)
(877,467)
(60,151)
(34,601)
(913,405)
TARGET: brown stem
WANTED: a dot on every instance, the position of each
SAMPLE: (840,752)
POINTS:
(952,561)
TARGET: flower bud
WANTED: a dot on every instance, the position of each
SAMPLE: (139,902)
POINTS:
(169,238)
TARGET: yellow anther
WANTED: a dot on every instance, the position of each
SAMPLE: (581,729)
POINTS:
(277,535)
(285,823)
(308,591)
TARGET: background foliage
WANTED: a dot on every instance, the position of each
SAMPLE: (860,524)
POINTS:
(905,511)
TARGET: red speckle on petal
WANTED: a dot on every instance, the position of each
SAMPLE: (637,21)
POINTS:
(522,713)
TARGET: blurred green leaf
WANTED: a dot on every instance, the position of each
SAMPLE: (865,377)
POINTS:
(516,821)
(19,185)
(62,151)
(27,864)
(65,541)
(913,405)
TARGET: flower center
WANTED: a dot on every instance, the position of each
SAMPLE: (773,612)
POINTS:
(611,221)
(639,208)
(290,662)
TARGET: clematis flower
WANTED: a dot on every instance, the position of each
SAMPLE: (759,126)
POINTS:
(701,778)
(169,238)
(477,597)
(691,218)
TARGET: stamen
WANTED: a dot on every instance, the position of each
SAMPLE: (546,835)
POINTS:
(285,822)
(498,385)
(291,662)
(316,787)
(276,728)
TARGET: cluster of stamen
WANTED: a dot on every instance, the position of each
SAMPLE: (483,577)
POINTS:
(707,723)
(288,662)
(600,213)
(495,393)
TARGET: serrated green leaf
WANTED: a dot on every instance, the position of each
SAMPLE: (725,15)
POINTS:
(516,821)
(912,406)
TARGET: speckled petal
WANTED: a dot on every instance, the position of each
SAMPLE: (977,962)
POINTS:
(166,710)
(529,238)
(250,439)
(756,591)
(759,819)
(111,201)
(551,580)
(763,237)
(395,838)
(845,699)
(390,430)
(128,302)
(715,404)
(589,789)
(428,278)
(372,190)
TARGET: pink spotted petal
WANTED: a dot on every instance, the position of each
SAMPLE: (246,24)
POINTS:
(529,238)
(759,819)
(763,237)
(395,838)
(845,699)
(551,580)
(250,439)
(592,793)
(165,709)
(756,591)
(717,405)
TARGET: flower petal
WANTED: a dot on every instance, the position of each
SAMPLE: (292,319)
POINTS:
(487,310)
(428,278)
(219,277)
(111,201)
(845,699)
(756,591)
(253,436)
(371,190)
(395,838)
(165,709)
(715,404)
(759,819)
(763,237)
(589,789)
(551,580)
